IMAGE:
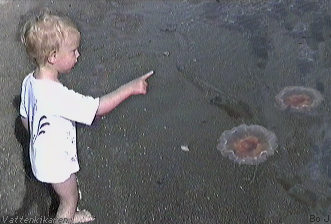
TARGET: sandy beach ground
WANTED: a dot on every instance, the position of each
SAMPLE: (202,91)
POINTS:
(218,64)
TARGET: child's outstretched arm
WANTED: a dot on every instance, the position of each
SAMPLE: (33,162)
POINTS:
(111,100)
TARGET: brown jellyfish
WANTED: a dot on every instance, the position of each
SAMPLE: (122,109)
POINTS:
(247,144)
(298,98)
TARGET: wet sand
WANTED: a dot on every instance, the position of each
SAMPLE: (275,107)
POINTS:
(218,64)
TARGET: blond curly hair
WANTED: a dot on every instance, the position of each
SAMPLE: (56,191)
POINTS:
(44,34)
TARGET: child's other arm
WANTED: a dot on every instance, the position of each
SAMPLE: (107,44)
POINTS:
(111,100)
(25,122)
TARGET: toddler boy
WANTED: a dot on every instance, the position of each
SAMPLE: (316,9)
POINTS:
(49,110)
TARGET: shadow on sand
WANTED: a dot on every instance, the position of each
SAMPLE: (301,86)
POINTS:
(37,195)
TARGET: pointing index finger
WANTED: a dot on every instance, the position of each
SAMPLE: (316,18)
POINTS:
(147,75)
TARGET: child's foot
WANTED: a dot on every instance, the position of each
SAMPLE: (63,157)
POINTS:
(83,216)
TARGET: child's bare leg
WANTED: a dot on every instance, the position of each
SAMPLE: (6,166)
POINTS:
(68,194)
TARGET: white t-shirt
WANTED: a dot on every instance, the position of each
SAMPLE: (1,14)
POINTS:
(52,111)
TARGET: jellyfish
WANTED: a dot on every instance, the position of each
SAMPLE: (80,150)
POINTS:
(298,99)
(247,144)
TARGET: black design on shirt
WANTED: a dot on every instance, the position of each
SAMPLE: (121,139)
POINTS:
(41,125)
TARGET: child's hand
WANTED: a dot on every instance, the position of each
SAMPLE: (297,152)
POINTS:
(109,101)
(139,85)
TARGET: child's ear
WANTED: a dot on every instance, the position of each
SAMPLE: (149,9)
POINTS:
(52,57)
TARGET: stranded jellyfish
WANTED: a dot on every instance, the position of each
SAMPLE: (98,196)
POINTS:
(298,98)
(247,144)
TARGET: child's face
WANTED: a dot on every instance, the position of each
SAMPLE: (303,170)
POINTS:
(67,55)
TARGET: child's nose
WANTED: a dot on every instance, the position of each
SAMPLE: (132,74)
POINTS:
(77,53)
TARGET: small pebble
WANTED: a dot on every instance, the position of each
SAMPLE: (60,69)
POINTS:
(185,148)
